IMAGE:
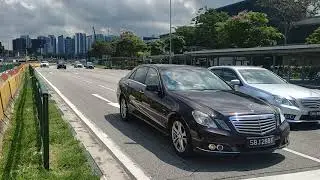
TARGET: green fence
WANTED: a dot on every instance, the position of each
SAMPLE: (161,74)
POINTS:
(5,67)
(41,96)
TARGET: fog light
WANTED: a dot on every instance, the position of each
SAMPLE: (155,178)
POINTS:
(220,147)
(212,146)
(289,116)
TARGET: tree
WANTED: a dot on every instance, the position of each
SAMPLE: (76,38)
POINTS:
(314,38)
(129,45)
(156,47)
(1,48)
(178,44)
(290,11)
(247,29)
(205,27)
(188,33)
(100,48)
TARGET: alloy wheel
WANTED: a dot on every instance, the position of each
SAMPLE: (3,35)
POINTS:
(179,136)
(123,108)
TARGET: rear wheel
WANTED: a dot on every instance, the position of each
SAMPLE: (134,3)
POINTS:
(124,111)
(181,138)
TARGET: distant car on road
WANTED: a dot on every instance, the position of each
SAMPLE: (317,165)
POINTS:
(89,65)
(44,64)
(77,64)
(61,65)
(297,103)
(200,111)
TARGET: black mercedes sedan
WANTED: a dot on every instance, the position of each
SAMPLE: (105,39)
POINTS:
(200,111)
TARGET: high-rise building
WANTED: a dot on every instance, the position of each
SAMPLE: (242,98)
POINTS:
(52,48)
(110,38)
(44,49)
(37,45)
(61,45)
(28,40)
(100,37)
(89,42)
(19,46)
(80,43)
(69,46)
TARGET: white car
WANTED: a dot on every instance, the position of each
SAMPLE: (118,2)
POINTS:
(44,64)
(78,65)
(298,104)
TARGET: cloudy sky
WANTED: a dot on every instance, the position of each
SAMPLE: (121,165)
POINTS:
(144,17)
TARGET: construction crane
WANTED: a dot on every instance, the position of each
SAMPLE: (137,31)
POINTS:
(94,34)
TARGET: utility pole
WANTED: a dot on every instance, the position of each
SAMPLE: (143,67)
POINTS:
(170,53)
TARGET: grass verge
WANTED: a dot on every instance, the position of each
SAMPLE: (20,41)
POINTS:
(21,154)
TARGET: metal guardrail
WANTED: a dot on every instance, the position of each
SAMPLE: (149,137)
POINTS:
(41,96)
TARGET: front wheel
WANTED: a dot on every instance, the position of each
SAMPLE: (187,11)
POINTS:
(124,111)
(181,138)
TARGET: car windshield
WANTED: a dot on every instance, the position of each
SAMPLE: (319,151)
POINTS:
(186,79)
(89,63)
(260,76)
(45,62)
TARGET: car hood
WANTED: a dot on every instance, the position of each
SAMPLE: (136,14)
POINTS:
(226,102)
(288,90)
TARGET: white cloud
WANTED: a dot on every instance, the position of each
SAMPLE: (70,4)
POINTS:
(144,17)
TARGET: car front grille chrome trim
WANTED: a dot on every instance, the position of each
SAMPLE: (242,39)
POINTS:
(311,103)
(254,124)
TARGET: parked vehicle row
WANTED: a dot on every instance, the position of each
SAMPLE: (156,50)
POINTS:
(200,111)
(298,104)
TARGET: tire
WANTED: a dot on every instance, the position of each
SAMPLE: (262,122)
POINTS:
(124,111)
(181,139)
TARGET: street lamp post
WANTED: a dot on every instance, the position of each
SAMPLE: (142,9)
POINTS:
(170,53)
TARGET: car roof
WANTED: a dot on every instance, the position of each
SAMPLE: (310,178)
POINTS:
(169,66)
(236,67)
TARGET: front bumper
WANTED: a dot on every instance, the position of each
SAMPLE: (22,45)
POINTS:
(234,143)
(299,115)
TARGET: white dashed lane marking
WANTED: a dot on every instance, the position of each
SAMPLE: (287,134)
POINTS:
(106,100)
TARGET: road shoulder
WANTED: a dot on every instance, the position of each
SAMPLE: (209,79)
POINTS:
(108,166)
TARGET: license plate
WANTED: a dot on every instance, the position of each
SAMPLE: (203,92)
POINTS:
(314,113)
(261,141)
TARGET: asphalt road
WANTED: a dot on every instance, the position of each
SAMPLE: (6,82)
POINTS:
(91,91)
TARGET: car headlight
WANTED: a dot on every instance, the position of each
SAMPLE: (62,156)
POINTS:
(284,101)
(282,118)
(203,119)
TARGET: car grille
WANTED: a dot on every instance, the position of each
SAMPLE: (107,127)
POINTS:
(311,103)
(254,124)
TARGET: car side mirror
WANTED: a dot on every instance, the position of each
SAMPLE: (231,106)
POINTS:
(235,84)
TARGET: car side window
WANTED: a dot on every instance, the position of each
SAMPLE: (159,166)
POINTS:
(152,78)
(140,74)
(218,72)
(229,75)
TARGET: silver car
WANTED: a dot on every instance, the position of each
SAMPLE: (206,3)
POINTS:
(297,103)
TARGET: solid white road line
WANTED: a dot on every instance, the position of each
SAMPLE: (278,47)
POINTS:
(302,155)
(309,175)
(132,167)
(107,88)
(109,102)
